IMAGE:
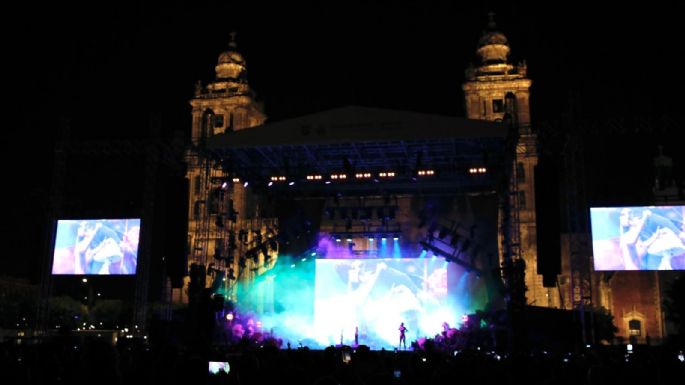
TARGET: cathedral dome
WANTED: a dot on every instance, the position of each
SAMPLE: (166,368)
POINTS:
(492,37)
(231,64)
(493,46)
(231,56)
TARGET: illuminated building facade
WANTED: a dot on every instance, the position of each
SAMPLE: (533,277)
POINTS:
(228,224)
(497,90)
(220,211)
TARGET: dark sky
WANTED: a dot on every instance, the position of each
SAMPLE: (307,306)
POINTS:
(104,68)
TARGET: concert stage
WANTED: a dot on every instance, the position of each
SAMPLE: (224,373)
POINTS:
(380,216)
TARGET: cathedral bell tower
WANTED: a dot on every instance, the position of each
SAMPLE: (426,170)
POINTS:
(497,90)
(217,200)
(226,104)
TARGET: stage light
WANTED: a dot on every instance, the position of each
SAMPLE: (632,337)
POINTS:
(224,185)
(236,180)
(84,280)
(291,183)
(246,183)
(271,183)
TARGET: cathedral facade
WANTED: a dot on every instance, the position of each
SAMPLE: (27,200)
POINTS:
(225,221)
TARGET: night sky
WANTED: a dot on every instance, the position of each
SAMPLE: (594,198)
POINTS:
(105,69)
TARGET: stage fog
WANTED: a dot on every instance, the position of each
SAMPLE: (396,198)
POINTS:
(424,262)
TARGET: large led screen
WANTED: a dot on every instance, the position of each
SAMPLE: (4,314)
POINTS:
(638,238)
(370,298)
(96,247)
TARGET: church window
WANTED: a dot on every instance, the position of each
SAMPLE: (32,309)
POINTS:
(197,182)
(197,210)
(634,327)
(498,106)
(520,172)
(218,121)
(522,200)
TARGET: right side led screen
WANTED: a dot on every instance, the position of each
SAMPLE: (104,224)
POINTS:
(638,238)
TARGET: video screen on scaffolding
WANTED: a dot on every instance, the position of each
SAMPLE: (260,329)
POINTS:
(96,247)
(638,238)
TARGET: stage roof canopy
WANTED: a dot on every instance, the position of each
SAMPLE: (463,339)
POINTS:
(355,139)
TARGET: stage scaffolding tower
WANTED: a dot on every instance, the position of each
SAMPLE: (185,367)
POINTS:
(220,234)
(522,144)
(573,184)
(156,154)
(55,208)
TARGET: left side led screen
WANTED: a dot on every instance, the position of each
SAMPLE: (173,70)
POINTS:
(96,247)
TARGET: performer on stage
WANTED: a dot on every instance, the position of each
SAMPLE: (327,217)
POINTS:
(403,336)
